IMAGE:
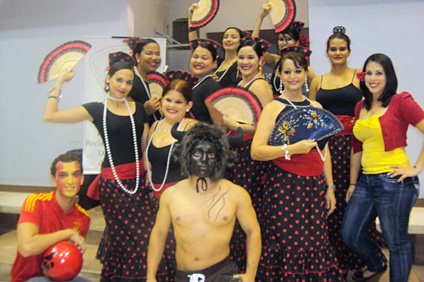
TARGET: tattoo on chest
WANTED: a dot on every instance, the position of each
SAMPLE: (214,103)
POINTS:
(217,203)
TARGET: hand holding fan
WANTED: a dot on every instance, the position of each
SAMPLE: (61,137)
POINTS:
(157,82)
(304,124)
(282,13)
(64,57)
(238,103)
(205,12)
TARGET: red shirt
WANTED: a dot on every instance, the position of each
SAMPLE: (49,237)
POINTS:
(43,210)
(402,111)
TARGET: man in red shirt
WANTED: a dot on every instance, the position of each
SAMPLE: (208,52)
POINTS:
(48,218)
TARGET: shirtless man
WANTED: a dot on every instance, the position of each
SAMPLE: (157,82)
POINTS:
(203,210)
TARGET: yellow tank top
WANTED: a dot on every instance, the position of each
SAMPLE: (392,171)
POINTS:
(374,158)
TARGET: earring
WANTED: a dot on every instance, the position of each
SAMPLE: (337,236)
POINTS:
(306,86)
(281,87)
(238,73)
(107,87)
(260,69)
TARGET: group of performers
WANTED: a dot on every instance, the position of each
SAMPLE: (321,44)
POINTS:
(314,202)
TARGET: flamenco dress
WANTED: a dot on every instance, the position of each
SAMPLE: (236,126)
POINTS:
(341,102)
(204,87)
(129,217)
(296,247)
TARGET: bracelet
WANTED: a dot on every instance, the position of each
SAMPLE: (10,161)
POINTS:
(332,186)
(191,29)
(417,169)
(352,184)
(55,88)
(286,152)
(55,97)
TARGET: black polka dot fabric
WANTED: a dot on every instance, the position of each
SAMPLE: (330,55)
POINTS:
(120,57)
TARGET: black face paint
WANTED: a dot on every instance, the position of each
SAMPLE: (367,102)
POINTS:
(203,161)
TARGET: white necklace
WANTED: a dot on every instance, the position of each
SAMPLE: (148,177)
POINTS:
(323,156)
(168,161)
(109,153)
(247,85)
(145,87)
(201,80)
(226,70)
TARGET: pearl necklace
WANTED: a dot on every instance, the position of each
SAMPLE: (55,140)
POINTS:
(149,172)
(107,145)
(201,80)
(247,85)
(226,70)
(323,156)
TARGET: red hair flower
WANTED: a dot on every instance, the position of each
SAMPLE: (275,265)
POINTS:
(360,75)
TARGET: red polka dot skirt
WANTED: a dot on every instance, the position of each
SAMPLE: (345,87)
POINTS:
(296,246)
(129,221)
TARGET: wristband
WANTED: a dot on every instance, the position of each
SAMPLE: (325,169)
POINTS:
(332,186)
(286,152)
(417,169)
(55,97)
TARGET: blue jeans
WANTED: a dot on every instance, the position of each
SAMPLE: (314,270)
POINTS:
(392,201)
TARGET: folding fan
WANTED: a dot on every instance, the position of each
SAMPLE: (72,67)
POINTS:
(157,82)
(304,124)
(282,13)
(205,12)
(64,57)
(238,103)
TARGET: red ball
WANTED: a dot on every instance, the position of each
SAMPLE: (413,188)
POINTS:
(62,261)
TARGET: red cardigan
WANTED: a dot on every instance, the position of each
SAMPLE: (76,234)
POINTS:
(402,111)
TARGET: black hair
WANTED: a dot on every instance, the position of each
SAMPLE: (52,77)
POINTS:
(121,65)
(292,31)
(210,48)
(140,45)
(298,59)
(239,31)
(339,33)
(391,81)
(202,132)
(65,158)
(255,45)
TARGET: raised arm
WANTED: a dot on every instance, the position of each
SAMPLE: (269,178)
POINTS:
(51,112)
(158,237)
(249,223)
(262,14)
(192,34)
(31,243)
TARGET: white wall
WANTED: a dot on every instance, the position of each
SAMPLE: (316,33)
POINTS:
(29,30)
(383,26)
(238,13)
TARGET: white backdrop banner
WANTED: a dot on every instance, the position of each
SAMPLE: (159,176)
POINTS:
(96,62)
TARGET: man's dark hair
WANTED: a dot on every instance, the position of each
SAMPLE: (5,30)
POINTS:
(65,158)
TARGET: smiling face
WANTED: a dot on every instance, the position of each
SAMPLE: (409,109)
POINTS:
(286,40)
(174,105)
(201,62)
(68,179)
(338,51)
(248,62)
(293,77)
(121,83)
(203,159)
(149,58)
(375,78)
(231,40)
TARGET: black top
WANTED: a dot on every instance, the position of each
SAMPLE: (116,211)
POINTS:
(340,101)
(230,78)
(119,132)
(201,91)
(158,158)
(139,94)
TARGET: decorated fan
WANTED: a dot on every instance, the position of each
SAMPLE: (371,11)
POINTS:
(304,124)
(157,82)
(205,12)
(64,57)
(282,13)
(238,103)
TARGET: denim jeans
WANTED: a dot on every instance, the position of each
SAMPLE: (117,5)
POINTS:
(392,201)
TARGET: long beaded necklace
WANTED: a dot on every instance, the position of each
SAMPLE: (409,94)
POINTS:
(247,85)
(201,80)
(226,70)
(323,156)
(109,153)
(149,172)
(145,87)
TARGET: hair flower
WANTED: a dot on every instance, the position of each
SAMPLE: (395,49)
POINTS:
(360,75)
